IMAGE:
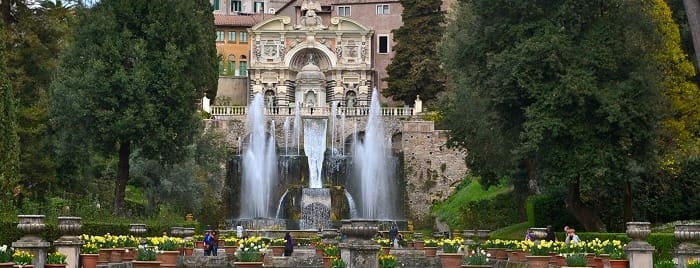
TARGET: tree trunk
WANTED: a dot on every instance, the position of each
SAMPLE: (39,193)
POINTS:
(586,216)
(5,9)
(628,217)
(692,11)
(122,177)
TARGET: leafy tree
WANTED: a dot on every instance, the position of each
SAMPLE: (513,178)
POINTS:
(131,78)
(692,11)
(35,38)
(558,95)
(415,68)
(9,144)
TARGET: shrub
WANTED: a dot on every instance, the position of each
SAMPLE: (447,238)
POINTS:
(146,253)
(338,263)
(21,257)
(477,258)
(388,261)
(56,258)
(5,254)
(576,260)
(665,264)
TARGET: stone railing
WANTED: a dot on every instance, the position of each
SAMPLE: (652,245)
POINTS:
(223,111)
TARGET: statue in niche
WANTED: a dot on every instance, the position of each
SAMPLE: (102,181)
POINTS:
(350,100)
(363,50)
(310,99)
(270,99)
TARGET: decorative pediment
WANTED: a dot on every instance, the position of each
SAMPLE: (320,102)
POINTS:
(348,24)
(279,23)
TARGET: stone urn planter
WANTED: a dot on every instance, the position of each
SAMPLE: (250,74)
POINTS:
(31,226)
(638,231)
(687,234)
(430,251)
(145,264)
(137,229)
(539,233)
(451,260)
(247,264)
(538,261)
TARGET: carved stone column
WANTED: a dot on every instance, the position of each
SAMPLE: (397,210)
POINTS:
(31,226)
(358,250)
(69,243)
(639,252)
(686,250)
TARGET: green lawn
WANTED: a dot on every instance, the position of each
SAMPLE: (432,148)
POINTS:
(469,190)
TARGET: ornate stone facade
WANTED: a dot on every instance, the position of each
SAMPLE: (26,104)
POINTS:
(311,63)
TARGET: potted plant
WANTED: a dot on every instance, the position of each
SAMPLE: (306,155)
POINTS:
(88,254)
(6,256)
(22,258)
(388,261)
(449,257)
(249,253)
(230,244)
(277,246)
(130,243)
(330,253)
(188,246)
(146,257)
(477,259)
(618,257)
(693,264)
(168,247)
(539,253)
(338,263)
(56,260)
(430,247)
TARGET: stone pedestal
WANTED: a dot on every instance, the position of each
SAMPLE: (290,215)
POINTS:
(69,244)
(329,236)
(315,208)
(687,250)
(31,226)
(358,250)
(639,252)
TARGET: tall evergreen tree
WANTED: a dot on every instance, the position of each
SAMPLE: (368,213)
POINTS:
(132,76)
(560,96)
(9,143)
(415,68)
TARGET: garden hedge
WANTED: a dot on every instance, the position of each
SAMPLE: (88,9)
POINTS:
(481,214)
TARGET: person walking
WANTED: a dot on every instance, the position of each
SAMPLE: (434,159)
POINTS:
(288,245)
(214,243)
(393,235)
(207,243)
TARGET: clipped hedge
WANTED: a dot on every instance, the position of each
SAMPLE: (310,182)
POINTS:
(543,210)
(498,212)
(9,232)
(664,243)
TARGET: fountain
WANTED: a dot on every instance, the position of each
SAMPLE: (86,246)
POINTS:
(259,165)
(320,183)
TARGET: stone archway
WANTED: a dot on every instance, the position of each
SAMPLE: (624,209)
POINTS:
(318,57)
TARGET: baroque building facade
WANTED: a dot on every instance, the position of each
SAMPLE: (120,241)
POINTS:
(313,63)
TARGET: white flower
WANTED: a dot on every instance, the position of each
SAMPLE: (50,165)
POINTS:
(488,255)
(3,248)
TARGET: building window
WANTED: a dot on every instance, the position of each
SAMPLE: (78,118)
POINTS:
(243,68)
(235,6)
(231,67)
(383,9)
(244,37)
(344,11)
(222,69)
(219,36)
(259,7)
(216,4)
(383,44)
(232,36)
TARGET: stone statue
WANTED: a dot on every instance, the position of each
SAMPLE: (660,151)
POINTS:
(350,101)
(310,5)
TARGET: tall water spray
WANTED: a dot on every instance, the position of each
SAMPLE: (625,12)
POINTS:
(315,147)
(371,158)
(259,164)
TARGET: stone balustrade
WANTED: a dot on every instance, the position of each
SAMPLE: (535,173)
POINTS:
(224,111)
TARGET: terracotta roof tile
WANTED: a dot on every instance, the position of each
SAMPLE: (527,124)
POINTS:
(237,20)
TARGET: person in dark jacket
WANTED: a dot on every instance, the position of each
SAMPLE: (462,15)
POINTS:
(550,234)
(288,245)
(393,235)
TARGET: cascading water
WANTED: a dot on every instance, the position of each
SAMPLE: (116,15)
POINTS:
(285,129)
(259,164)
(315,147)
(351,205)
(296,134)
(371,159)
(279,205)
